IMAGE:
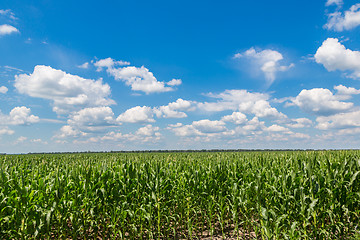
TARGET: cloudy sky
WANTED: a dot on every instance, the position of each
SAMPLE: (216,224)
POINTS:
(143,75)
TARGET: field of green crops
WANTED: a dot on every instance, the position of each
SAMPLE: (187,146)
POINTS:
(237,195)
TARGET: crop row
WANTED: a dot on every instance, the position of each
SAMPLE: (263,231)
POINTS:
(265,195)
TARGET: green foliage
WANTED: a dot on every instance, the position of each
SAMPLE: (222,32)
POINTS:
(265,195)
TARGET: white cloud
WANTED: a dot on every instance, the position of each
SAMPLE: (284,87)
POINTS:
(334,56)
(346,91)
(176,125)
(38,140)
(84,65)
(208,126)
(243,101)
(173,109)
(341,120)
(137,115)
(148,130)
(231,99)
(334,2)
(254,125)
(3,89)
(277,128)
(112,136)
(344,21)
(21,116)
(237,55)
(109,63)
(203,127)
(18,116)
(67,92)
(250,128)
(235,117)
(184,130)
(299,123)
(21,139)
(252,131)
(268,62)
(140,79)
(10,68)
(68,131)
(262,108)
(174,82)
(321,102)
(301,135)
(349,131)
(8,13)
(6,29)
(90,118)
(146,134)
(181,104)
(6,130)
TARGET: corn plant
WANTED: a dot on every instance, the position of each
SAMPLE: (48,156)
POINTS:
(263,195)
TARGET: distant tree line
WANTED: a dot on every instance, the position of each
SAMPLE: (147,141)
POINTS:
(181,151)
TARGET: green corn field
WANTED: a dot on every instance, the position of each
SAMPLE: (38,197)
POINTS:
(234,195)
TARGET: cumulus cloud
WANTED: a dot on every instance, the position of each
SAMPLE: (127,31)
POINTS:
(321,102)
(90,118)
(98,119)
(68,131)
(235,117)
(146,134)
(86,122)
(174,82)
(267,60)
(339,121)
(145,114)
(3,89)
(6,130)
(185,130)
(250,131)
(6,29)
(349,131)
(67,92)
(243,101)
(148,130)
(208,126)
(348,20)
(277,128)
(140,79)
(253,125)
(334,56)
(257,131)
(300,135)
(109,63)
(38,140)
(20,139)
(18,116)
(334,2)
(85,65)
(137,115)
(203,127)
(346,92)
(174,109)
(22,116)
(299,123)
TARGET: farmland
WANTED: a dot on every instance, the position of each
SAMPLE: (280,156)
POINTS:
(244,195)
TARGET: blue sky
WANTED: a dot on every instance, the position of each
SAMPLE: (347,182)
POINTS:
(142,75)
